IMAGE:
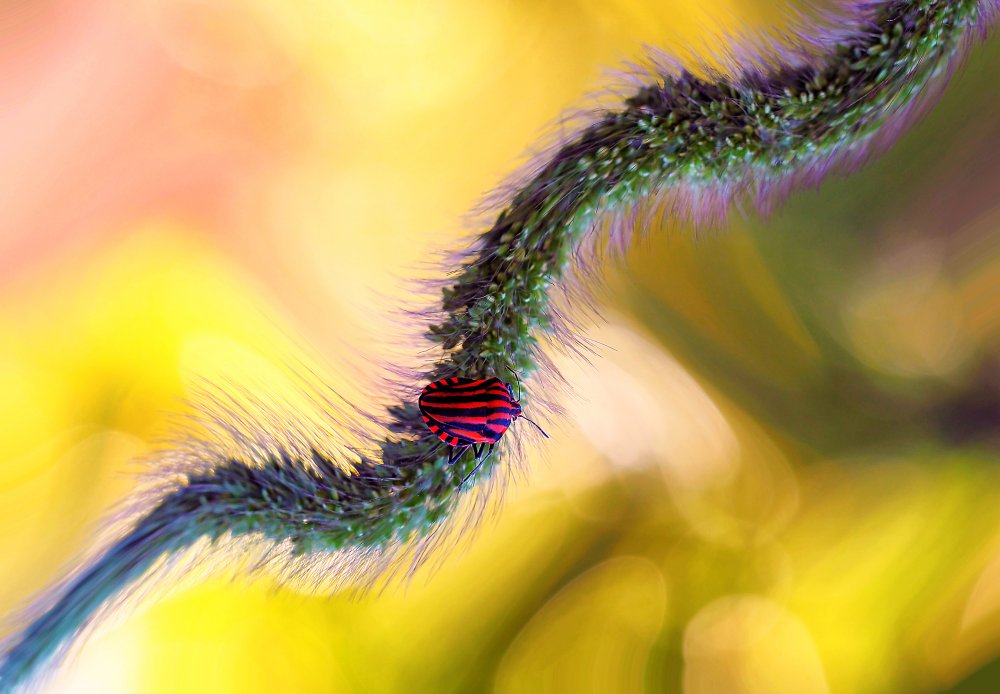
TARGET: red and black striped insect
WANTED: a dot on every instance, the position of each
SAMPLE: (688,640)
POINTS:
(470,413)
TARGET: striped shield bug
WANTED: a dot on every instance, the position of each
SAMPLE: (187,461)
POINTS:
(470,413)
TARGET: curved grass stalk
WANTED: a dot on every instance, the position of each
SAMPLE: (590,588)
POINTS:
(679,144)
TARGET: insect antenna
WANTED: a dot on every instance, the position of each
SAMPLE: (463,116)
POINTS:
(518,378)
(536,426)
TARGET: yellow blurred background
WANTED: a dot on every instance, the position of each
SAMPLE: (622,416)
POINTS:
(780,476)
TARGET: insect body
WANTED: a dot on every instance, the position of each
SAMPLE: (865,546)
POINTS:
(469,413)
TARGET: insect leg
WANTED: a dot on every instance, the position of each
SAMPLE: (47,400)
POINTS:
(482,460)
(456,453)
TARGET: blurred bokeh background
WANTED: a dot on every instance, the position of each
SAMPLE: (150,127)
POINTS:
(780,476)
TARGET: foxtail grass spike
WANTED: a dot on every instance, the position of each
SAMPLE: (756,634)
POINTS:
(348,515)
